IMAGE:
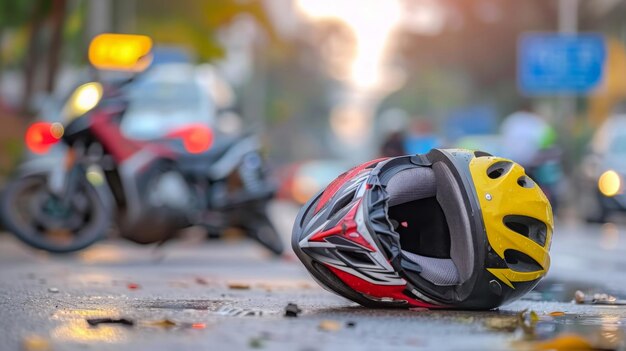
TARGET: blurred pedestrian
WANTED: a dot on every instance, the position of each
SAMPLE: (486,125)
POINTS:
(393,145)
(532,142)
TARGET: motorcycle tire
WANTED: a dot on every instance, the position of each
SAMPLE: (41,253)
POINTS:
(259,227)
(35,234)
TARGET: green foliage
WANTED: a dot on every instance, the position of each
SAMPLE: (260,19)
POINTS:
(195,24)
(16,13)
(430,92)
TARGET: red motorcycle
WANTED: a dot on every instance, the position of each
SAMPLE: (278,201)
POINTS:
(148,189)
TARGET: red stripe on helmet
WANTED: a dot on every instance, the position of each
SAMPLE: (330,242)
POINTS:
(379,291)
(346,228)
(334,186)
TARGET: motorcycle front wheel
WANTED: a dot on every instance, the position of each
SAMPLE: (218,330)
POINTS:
(45,221)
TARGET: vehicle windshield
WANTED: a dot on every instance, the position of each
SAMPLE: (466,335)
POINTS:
(158,107)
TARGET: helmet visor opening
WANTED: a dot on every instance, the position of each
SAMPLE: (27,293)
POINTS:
(426,209)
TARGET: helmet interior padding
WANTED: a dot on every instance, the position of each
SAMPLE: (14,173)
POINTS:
(427,210)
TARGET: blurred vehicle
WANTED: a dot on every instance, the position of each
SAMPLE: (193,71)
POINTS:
(165,97)
(300,181)
(603,172)
(152,188)
(139,152)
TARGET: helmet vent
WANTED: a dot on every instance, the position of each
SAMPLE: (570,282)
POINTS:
(525,182)
(344,201)
(479,153)
(521,262)
(498,169)
(529,227)
(355,257)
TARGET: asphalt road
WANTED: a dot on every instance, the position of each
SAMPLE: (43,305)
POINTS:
(195,294)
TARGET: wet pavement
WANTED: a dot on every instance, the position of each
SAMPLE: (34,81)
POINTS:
(231,295)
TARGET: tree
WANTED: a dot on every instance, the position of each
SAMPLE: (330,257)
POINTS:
(36,16)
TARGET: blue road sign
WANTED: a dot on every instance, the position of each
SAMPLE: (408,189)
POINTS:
(550,64)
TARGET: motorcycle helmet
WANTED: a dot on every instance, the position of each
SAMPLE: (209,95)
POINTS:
(452,228)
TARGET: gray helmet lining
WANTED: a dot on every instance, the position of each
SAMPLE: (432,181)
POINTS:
(418,183)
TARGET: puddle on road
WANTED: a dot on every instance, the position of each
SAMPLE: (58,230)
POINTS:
(603,331)
(216,307)
(603,326)
(554,291)
(74,327)
(210,305)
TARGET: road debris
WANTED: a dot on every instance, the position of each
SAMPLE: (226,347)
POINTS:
(97,321)
(329,325)
(292,310)
(35,343)
(133,286)
(53,290)
(238,286)
(556,314)
(164,323)
(201,281)
(350,324)
(523,320)
(506,324)
(238,312)
(255,343)
(597,299)
(170,324)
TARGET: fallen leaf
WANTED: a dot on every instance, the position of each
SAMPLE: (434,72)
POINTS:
(164,323)
(507,324)
(528,321)
(238,286)
(201,281)
(255,343)
(35,343)
(556,313)
(97,321)
(534,317)
(329,325)
(564,342)
(292,310)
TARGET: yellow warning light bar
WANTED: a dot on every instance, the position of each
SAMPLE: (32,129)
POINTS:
(120,52)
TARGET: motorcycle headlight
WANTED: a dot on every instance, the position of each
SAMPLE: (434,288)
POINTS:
(610,183)
(83,99)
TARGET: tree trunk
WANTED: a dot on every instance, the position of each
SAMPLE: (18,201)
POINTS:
(32,53)
(56,43)
(1,68)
